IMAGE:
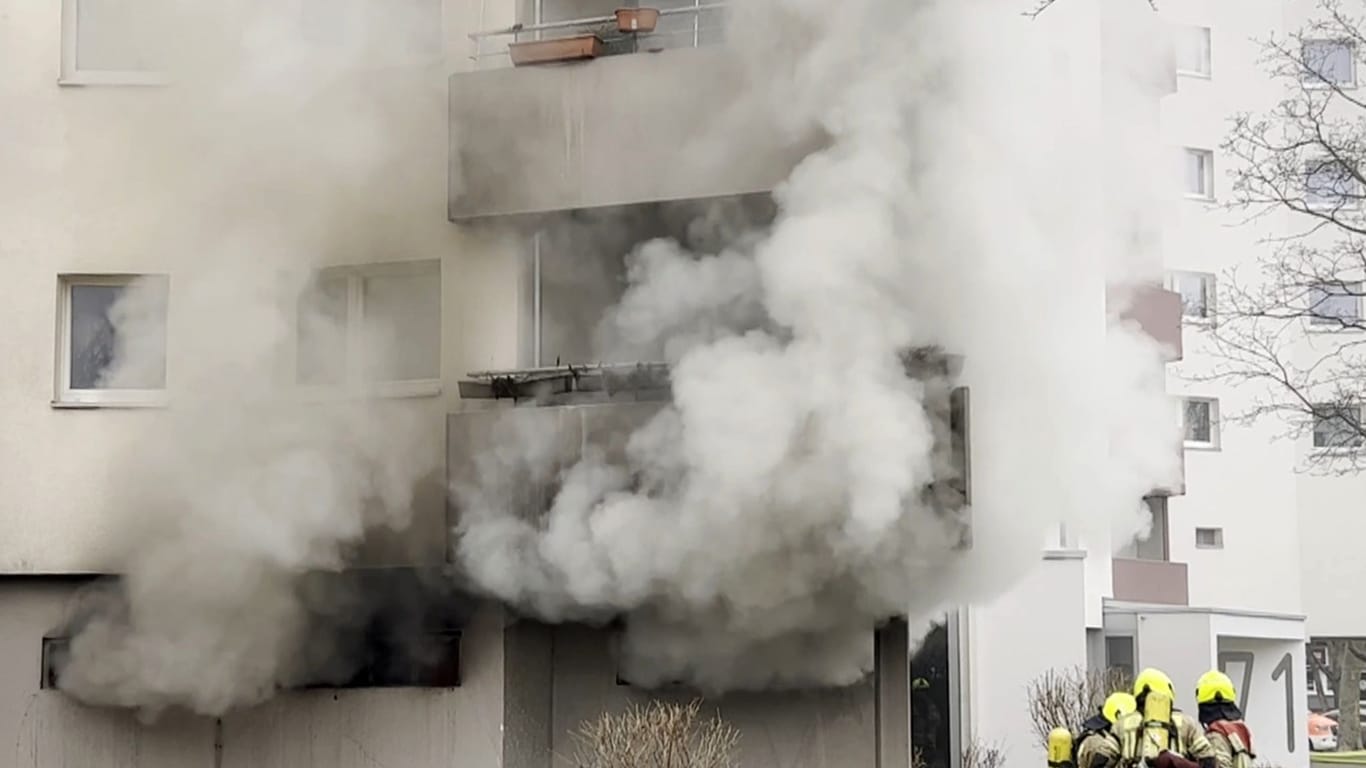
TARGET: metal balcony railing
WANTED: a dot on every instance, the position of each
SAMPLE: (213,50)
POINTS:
(689,26)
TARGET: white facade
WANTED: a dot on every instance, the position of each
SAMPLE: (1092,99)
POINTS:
(69,143)
(1270,554)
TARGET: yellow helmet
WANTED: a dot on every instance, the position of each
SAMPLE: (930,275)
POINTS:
(1153,680)
(1214,686)
(1118,705)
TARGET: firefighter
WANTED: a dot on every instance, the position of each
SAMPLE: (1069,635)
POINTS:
(1223,720)
(1093,745)
(1096,744)
(1160,734)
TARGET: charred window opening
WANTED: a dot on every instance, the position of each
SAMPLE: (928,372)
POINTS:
(382,628)
(429,660)
(948,406)
(55,652)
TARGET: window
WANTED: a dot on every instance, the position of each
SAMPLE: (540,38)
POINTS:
(1200,173)
(112,339)
(1119,654)
(1197,294)
(1335,304)
(1329,62)
(1329,184)
(1337,426)
(55,652)
(1201,416)
(1193,51)
(109,42)
(1155,546)
(1209,538)
(373,327)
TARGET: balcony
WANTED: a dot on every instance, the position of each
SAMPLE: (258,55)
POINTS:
(1156,310)
(667,122)
(1155,582)
(559,415)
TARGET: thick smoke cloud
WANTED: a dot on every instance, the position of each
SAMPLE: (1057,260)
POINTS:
(281,145)
(756,530)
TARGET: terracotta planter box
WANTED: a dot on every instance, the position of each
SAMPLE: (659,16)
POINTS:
(576,48)
(637,19)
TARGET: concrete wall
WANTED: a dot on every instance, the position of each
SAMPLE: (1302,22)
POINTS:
(1179,644)
(45,729)
(1040,624)
(559,677)
(351,728)
(361,728)
(1275,703)
(1331,543)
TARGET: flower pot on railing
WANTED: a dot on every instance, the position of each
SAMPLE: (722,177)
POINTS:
(560,49)
(637,19)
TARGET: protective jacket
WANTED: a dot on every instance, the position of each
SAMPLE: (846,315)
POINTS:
(1096,746)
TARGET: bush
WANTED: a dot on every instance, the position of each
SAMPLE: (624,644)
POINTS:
(979,755)
(658,735)
(1069,696)
(975,755)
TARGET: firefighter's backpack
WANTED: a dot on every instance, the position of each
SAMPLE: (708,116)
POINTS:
(1239,739)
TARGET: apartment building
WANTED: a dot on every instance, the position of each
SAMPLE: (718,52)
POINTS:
(496,301)
(1255,496)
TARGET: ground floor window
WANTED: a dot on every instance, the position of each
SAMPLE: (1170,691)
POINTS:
(933,701)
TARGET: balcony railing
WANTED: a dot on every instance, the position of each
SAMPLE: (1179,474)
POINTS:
(689,26)
(1158,582)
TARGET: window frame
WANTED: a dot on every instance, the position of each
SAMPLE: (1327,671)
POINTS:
(65,396)
(1213,444)
(1349,201)
(1319,322)
(1206,175)
(1209,286)
(353,382)
(1218,532)
(54,652)
(1206,47)
(1313,80)
(1315,419)
(73,75)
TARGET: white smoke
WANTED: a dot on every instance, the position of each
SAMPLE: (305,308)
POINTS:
(757,528)
(753,532)
(282,145)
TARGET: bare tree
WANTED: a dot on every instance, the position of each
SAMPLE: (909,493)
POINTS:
(1346,660)
(1289,327)
(660,735)
(978,754)
(1066,697)
(1287,331)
